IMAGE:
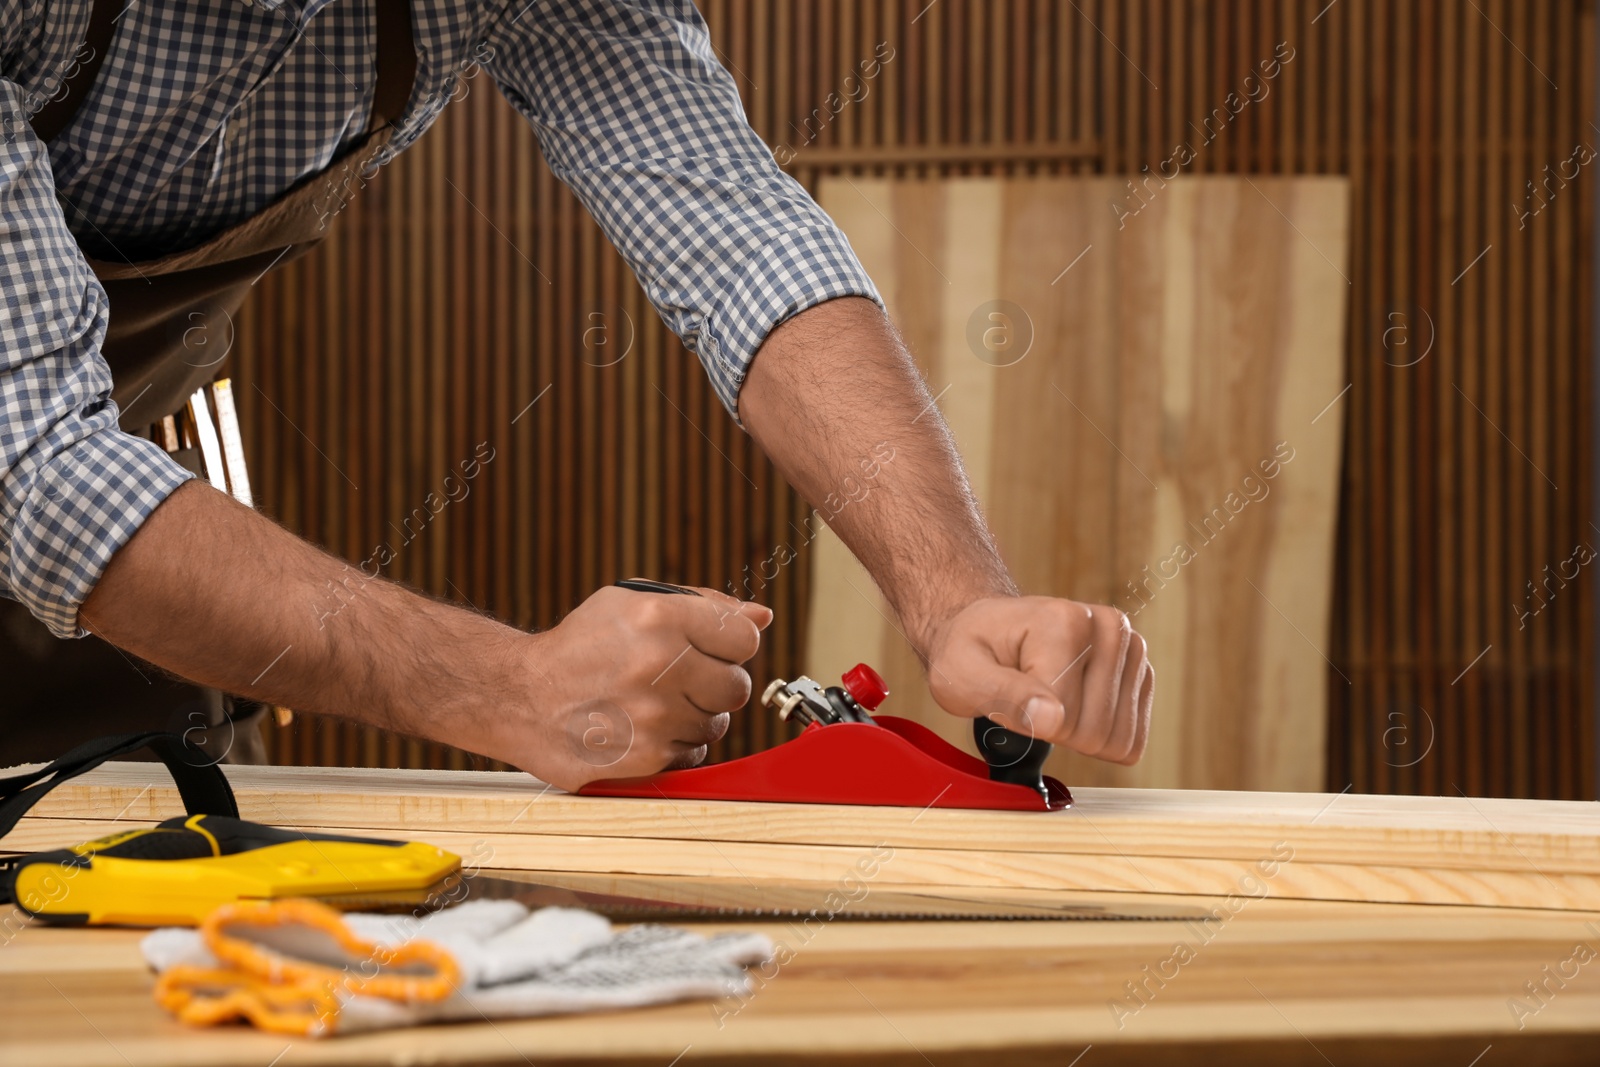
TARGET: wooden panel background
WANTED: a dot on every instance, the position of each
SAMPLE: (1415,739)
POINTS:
(1144,411)
(465,281)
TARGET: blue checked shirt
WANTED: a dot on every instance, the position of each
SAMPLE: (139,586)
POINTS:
(205,111)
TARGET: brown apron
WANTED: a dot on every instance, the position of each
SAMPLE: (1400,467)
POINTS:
(53,693)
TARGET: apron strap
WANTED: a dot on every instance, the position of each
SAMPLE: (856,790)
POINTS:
(396,61)
(201,783)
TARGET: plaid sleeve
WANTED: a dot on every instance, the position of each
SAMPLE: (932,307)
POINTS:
(637,116)
(73,488)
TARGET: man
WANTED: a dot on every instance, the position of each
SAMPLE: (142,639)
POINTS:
(205,141)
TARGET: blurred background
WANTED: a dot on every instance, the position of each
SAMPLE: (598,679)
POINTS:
(1437,629)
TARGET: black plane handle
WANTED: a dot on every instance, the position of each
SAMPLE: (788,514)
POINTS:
(1012,757)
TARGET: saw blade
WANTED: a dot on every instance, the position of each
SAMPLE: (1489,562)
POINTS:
(768,903)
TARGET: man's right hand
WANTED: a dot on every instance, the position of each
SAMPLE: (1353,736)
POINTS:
(631,683)
(628,684)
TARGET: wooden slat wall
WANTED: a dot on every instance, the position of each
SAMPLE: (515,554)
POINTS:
(462,283)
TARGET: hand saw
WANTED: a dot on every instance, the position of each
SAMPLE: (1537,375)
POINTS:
(177,872)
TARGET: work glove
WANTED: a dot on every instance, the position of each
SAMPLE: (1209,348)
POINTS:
(299,967)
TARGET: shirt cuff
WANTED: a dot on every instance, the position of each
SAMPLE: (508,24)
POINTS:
(80,508)
(796,270)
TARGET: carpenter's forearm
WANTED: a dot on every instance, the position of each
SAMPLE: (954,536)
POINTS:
(215,592)
(833,388)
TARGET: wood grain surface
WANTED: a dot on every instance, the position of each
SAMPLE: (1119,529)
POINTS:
(1265,979)
(1283,982)
(1143,407)
(1438,850)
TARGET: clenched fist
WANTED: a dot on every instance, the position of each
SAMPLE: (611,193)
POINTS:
(1067,673)
(630,684)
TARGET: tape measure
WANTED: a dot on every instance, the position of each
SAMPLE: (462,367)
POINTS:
(175,873)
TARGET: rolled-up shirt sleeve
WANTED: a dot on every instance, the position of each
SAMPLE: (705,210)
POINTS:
(637,116)
(73,487)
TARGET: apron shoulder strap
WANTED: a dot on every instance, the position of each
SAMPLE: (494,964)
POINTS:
(201,783)
(396,60)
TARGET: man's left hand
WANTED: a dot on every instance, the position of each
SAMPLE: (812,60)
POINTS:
(1068,673)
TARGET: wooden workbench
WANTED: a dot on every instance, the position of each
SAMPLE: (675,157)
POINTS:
(1363,979)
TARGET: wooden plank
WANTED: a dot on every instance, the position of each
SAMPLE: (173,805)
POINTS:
(1439,850)
(1139,395)
(973,870)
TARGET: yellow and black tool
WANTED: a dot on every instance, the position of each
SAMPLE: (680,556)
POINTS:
(177,872)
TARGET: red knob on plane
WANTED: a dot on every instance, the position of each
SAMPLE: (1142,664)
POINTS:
(865,685)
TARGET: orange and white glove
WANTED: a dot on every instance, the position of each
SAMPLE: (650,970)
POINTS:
(299,967)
